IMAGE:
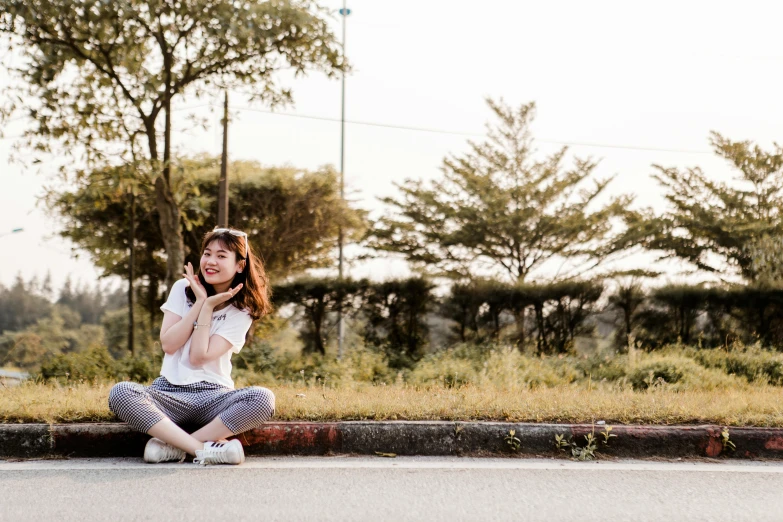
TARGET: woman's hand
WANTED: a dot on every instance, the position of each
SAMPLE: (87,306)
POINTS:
(221,298)
(198,289)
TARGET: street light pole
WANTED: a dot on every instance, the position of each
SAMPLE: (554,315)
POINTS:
(14,231)
(340,320)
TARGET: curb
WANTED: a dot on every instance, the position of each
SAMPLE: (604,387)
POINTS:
(433,438)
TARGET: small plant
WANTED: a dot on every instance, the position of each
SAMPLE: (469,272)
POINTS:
(560,443)
(727,444)
(513,442)
(586,452)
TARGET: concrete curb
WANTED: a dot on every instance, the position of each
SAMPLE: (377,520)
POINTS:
(402,438)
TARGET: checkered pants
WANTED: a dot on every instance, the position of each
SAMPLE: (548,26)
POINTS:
(192,404)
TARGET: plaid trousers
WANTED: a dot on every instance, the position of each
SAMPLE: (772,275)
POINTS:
(192,404)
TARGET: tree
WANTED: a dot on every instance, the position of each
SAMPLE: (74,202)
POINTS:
(59,333)
(102,73)
(718,226)
(627,300)
(291,215)
(396,312)
(499,208)
(318,298)
(88,304)
(572,303)
(22,305)
(672,314)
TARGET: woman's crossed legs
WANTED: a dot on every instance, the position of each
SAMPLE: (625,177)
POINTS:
(159,409)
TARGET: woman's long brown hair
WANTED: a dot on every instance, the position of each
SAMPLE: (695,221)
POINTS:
(255,296)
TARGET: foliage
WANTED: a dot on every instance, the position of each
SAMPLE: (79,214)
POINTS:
(23,304)
(512,441)
(291,215)
(102,73)
(726,442)
(317,298)
(572,303)
(672,314)
(627,300)
(498,207)
(560,311)
(395,313)
(49,337)
(588,450)
(717,226)
(659,372)
(672,369)
(751,363)
(97,364)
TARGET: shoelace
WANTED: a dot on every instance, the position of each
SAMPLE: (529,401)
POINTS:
(173,453)
(214,454)
(170,452)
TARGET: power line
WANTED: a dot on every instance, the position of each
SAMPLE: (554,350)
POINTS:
(356,122)
(436,131)
(460,133)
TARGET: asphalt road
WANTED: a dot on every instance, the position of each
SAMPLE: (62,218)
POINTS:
(409,488)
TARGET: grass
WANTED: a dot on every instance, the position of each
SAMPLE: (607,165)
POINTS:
(576,403)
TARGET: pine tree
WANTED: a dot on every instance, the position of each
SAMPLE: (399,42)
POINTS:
(499,208)
(719,227)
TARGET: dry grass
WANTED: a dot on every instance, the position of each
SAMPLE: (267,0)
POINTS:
(756,406)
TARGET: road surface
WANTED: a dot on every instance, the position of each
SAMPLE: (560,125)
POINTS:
(394,489)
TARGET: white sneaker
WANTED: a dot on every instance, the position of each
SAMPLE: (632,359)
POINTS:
(230,452)
(158,451)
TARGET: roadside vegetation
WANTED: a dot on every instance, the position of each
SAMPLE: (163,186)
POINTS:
(678,384)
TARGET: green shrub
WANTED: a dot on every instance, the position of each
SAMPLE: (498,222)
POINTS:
(673,369)
(751,363)
(600,367)
(444,368)
(667,371)
(97,364)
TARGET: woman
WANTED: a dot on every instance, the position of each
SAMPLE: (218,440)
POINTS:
(205,321)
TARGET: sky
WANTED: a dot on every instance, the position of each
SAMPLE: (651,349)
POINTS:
(631,84)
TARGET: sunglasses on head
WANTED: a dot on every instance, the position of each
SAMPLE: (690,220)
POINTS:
(237,233)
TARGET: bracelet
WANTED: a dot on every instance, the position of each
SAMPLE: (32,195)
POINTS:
(196,325)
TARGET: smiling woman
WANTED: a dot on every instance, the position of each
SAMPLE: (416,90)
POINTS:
(205,321)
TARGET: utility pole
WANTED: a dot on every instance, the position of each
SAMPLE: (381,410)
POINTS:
(340,320)
(131,272)
(223,183)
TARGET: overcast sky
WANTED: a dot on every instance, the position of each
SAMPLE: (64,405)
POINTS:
(645,81)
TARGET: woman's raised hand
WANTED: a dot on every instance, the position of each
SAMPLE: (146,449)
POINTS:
(221,298)
(198,289)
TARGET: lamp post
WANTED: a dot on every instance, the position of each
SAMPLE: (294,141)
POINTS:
(344,12)
(14,231)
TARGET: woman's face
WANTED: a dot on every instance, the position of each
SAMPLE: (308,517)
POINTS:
(218,264)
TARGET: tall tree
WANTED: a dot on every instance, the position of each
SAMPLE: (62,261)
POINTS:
(22,305)
(291,215)
(99,76)
(498,207)
(719,227)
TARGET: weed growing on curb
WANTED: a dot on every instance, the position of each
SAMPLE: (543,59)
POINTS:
(586,452)
(727,444)
(513,442)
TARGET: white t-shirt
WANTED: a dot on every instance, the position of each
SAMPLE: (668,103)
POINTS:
(230,323)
